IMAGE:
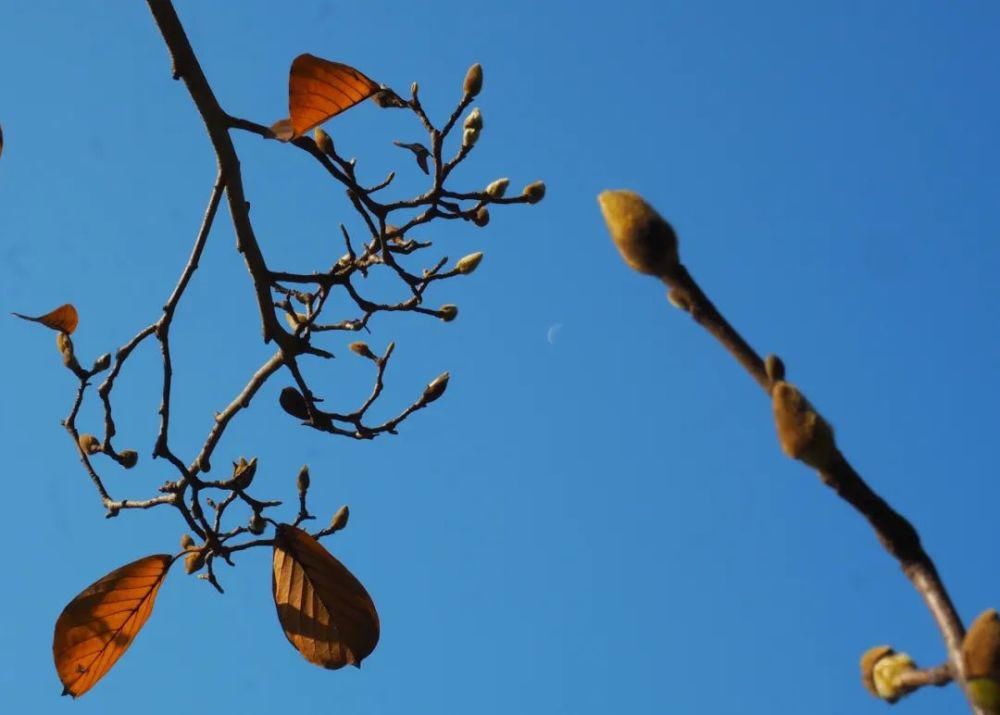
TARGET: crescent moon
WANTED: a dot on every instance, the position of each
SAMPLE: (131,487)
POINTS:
(552,332)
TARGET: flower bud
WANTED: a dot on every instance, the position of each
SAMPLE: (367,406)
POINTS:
(194,561)
(102,363)
(435,388)
(497,189)
(448,312)
(981,653)
(467,264)
(473,80)
(474,120)
(323,141)
(481,217)
(885,673)
(186,542)
(644,239)
(257,524)
(339,520)
(128,458)
(868,661)
(243,473)
(89,443)
(534,192)
(302,481)
(361,348)
(470,137)
(802,432)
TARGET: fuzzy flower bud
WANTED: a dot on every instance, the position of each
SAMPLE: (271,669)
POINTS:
(474,120)
(497,189)
(467,264)
(302,481)
(435,388)
(470,137)
(323,141)
(186,542)
(534,192)
(448,312)
(981,652)
(89,443)
(473,80)
(802,432)
(645,240)
(339,520)
(362,349)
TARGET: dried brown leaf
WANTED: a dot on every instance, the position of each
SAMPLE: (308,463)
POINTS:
(326,613)
(64,318)
(99,625)
(319,89)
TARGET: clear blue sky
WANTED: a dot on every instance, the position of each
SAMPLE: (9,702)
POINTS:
(597,523)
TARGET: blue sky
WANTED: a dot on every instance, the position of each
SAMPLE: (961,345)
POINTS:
(598,522)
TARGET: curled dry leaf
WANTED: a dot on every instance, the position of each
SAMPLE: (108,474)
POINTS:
(326,613)
(99,625)
(319,89)
(64,318)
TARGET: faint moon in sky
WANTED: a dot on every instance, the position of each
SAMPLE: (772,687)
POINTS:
(553,332)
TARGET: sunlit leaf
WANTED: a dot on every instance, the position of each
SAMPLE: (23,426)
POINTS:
(326,613)
(64,318)
(99,625)
(319,89)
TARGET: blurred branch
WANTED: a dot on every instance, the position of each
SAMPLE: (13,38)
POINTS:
(649,245)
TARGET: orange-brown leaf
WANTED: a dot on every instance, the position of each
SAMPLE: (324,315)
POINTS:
(99,625)
(64,318)
(319,89)
(326,613)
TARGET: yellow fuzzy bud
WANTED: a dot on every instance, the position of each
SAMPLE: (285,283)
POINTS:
(362,349)
(435,388)
(323,141)
(303,480)
(448,312)
(186,542)
(474,120)
(473,80)
(467,264)
(89,443)
(534,192)
(886,672)
(339,520)
(497,189)
(868,661)
(243,473)
(194,562)
(981,653)
(802,432)
(643,238)
(470,137)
